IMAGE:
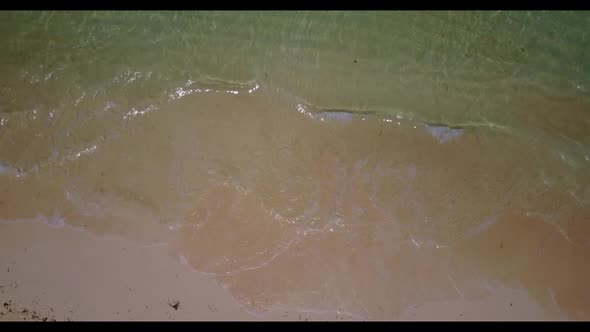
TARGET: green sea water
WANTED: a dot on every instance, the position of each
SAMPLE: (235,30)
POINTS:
(525,74)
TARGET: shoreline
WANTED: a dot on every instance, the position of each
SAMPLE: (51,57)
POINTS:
(117,279)
(361,226)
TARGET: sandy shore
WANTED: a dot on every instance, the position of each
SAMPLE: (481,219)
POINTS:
(295,230)
(65,274)
(61,274)
(314,166)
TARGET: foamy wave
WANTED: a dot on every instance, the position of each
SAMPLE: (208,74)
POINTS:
(211,85)
(56,220)
(7,170)
(443,134)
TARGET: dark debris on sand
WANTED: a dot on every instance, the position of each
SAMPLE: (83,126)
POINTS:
(174,304)
(24,313)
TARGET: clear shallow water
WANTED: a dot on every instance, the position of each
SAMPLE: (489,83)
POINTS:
(523,73)
(361,162)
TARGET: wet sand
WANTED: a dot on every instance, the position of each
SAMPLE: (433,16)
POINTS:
(269,209)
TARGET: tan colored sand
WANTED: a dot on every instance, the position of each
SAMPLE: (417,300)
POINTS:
(297,217)
(67,274)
